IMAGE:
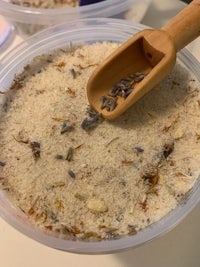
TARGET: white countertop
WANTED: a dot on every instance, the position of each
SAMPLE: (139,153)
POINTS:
(178,248)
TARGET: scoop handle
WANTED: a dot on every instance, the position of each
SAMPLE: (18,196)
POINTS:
(185,27)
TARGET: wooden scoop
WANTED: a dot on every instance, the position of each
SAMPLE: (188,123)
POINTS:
(150,51)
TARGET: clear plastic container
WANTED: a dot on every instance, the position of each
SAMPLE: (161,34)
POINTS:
(4,30)
(30,20)
(87,31)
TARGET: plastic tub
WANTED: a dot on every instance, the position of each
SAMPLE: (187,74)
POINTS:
(30,20)
(87,31)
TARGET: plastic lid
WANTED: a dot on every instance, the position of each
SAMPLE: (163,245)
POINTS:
(88,2)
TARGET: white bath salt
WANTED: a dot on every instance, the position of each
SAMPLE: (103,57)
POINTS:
(83,180)
(46,3)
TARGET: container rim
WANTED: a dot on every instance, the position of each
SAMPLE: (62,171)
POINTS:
(46,41)
(43,16)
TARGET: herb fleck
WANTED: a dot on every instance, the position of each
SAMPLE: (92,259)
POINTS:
(35,146)
(80,197)
(71,93)
(151,175)
(168,149)
(131,230)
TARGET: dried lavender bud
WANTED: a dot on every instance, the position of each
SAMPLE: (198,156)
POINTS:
(70,153)
(73,73)
(71,174)
(103,100)
(138,149)
(91,112)
(114,91)
(66,128)
(108,103)
(138,76)
(59,156)
(35,146)
(112,105)
(2,164)
(89,124)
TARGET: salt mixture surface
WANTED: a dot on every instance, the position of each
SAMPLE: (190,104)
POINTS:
(46,3)
(99,182)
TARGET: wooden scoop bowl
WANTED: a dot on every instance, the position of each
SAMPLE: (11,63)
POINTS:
(150,51)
